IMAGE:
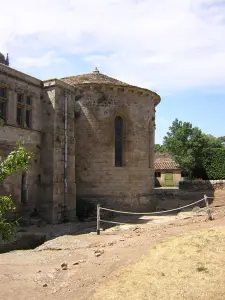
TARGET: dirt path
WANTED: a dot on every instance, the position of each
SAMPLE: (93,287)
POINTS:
(187,267)
(89,260)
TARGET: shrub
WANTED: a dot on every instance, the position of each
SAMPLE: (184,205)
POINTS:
(16,161)
(214,164)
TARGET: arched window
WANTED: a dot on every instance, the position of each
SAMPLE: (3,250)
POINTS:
(118,141)
(24,187)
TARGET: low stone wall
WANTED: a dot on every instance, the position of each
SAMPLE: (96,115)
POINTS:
(173,198)
(86,206)
(23,241)
(202,185)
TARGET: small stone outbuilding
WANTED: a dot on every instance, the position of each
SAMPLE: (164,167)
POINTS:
(167,172)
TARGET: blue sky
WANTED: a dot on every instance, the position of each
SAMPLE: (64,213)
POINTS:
(202,109)
(174,47)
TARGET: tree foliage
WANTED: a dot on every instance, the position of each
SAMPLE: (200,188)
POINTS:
(16,161)
(221,140)
(213,142)
(214,164)
(160,148)
(188,145)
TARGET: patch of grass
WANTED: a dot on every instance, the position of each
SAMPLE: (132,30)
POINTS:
(175,269)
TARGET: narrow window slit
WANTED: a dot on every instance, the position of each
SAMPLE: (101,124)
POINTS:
(119,141)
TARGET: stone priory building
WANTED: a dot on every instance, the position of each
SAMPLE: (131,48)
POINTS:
(92,137)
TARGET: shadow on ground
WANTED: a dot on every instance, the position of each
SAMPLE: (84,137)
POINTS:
(30,237)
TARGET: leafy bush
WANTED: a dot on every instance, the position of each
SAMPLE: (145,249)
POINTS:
(16,161)
(214,163)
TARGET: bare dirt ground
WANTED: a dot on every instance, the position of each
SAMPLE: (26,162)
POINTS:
(187,267)
(77,266)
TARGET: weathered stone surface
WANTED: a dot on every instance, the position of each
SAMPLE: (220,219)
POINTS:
(66,242)
(22,242)
(130,186)
(82,164)
(202,185)
(17,82)
(174,198)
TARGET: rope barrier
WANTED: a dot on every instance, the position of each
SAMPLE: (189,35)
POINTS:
(152,213)
(216,197)
(99,208)
(119,223)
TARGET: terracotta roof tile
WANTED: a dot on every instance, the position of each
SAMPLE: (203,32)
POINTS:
(98,78)
(164,161)
(166,165)
(95,77)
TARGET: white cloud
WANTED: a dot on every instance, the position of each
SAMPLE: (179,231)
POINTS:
(165,45)
(40,61)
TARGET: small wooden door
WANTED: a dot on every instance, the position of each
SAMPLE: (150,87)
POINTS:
(169,179)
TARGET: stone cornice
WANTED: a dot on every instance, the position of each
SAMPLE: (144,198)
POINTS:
(56,82)
(122,88)
(9,72)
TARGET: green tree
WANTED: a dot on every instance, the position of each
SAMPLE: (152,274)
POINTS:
(214,163)
(221,140)
(213,142)
(160,148)
(16,161)
(186,144)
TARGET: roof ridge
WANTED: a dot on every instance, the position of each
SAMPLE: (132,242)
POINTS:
(96,74)
(94,78)
(97,78)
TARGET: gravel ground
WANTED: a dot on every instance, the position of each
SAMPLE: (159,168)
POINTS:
(75,261)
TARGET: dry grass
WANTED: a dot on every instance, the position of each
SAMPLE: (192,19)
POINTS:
(186,267)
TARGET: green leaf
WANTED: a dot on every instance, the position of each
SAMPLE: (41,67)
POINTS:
(16,161)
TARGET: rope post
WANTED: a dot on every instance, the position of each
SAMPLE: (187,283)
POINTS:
(208,208)
(98,219)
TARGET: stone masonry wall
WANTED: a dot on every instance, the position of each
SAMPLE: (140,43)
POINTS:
(10,133)
(173,198)
(190,191)
(98,180)
(202,185)
(13,184)
(54,205)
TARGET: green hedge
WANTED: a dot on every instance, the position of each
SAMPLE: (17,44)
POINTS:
(214,164)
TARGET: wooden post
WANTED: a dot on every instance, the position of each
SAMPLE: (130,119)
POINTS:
(208,208)
(98,219)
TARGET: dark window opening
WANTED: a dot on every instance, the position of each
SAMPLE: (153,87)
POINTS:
(28,118)
(157,174)
(24,111)
(20,98)
(29,100)
(24,188)
(118,142)
(2,93)
(3,110)
(19,117)
(3,103)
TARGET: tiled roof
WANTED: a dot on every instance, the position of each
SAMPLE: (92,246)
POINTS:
(164,161)
(98,78)
(95,77)
(166,165)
